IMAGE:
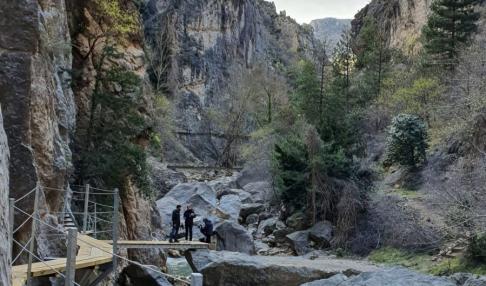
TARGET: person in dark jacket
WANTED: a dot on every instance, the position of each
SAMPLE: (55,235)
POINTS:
(206,230)
(189,216)
(176,224)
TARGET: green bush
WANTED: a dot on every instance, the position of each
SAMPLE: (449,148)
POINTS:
(407,141)
(477,248)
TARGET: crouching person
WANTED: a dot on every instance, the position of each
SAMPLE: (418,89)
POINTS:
(206,230)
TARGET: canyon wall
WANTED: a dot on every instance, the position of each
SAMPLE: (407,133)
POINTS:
(208,42)
(4,245)
(401,20)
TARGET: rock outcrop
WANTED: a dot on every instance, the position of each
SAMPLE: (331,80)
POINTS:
(388,277)
(330,30)
(37,100)
(209,41)
(4,195)
(235,269)
(401,20)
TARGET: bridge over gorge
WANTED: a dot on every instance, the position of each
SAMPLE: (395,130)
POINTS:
(90,234)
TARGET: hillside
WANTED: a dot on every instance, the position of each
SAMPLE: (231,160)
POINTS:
(330,30)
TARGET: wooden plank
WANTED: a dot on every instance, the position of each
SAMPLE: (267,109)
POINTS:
(158,244)
(88,256)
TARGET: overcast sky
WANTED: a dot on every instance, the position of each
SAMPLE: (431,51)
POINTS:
(306,10)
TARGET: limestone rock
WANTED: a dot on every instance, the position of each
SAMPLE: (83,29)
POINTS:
(134,275)
(335,280)
(297,221)
(390,277)
(299,241)
(202,198)
(321,233)
(231,204)
(235,269)
(4,190)
(261,192)
(248,209)
(270,225)
(234,237)
(252,219)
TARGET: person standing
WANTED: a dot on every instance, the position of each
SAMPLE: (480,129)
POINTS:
(176,224)
(189,216)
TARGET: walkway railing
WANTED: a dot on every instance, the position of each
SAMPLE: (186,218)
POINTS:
(95,211)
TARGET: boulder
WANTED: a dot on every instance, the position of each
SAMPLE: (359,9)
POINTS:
(297,221)
(234,237)
(299,241)
(252,219)
(270,225)
(224,183)
(335,280)
(281,234)
(201,196)
(248,209)
(134,275)
(231,205)
(250,175)
(321,233)
(261,247)
(245,197)
(481,281)
(397,276)
(261,192)
(238,269)
(162,178)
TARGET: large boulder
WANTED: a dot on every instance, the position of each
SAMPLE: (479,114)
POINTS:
(397,276)
(297,221)
(335,280)
(224,183)
(231,205)
(234,237)
(202,198)
(248,209)
(238,269)
(299,241)
(245,197)
(321,234)
(270,225)
(261,192)
(134,275)
(162,178)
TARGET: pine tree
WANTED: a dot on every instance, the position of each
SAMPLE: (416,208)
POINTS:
(450,26)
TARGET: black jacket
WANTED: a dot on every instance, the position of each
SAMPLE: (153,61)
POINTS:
(189,216)
(176,217)
(207,229)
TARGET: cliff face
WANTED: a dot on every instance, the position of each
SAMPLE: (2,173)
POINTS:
(330,30)
(4,246)
(401,20)
(209,41)
(38,104)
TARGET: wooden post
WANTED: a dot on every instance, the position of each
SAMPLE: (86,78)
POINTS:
(86,206)
(115,234)
(95,222)
(72,246)
(35,217)
(196,279)
(11,213)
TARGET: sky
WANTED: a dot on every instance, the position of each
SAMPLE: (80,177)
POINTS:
(305,11)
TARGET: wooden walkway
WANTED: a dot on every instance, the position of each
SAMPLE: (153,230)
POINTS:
(93,252)
(183,245)
(89,255)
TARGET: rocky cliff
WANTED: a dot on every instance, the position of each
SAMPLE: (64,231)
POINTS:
(208,42)
(38,104)
(401,20)
(330,30)
(4,246)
